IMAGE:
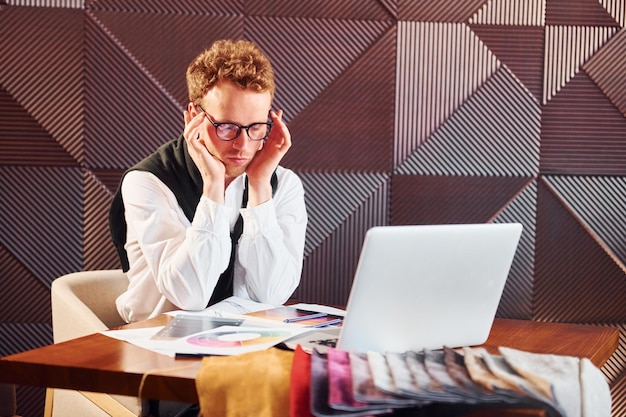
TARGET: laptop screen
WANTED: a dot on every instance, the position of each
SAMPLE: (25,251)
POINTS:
(425,287)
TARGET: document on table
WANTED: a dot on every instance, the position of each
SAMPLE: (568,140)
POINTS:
(223,329)
(223,340)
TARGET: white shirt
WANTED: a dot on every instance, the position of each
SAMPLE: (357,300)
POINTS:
(175,264)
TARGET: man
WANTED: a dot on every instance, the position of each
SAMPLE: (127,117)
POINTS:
(212,214)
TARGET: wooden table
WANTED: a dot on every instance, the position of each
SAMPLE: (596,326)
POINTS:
(99,363)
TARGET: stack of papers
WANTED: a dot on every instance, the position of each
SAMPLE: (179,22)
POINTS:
(231,327)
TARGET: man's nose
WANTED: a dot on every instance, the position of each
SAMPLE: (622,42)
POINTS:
(242,141)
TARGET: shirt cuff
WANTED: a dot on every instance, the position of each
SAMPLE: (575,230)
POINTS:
(212,216)
(260,219)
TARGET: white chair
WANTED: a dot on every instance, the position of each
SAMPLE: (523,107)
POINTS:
(84,303)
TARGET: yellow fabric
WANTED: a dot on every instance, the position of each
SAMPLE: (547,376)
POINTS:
(251,384)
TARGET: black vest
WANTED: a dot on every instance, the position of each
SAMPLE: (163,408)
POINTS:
(172,164)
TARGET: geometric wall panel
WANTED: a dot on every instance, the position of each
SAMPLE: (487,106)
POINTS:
(328,271)
(599,204)
(607,68)
(511,14)
(517,296)
(582,132)
(74,4)
(333,198)
(576,280)
(42,220)
(431,56)
(345,9)
(429,199)
(109,178)
(616,365)
(129,118)
(567,49)
(341,209)
(205,7)
(157,52)
(581,12)
(618,393)
(48,86)
(616,9)
(333,134)
(23,140)
(520,49)
(99,252)
(439,11)
(21,306)
(29,400)
(17,337)
(494,132)
(321,59)
(514,32)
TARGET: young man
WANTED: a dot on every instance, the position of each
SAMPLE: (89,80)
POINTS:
(212,213)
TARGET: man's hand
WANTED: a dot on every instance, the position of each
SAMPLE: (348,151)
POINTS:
(211,169)
(266,160)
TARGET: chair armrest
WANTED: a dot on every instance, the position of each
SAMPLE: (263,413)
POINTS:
(84,303)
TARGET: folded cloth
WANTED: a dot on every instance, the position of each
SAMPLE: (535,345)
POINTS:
(479,372)
(559,374)
(300,389)
(250,384)
(340,393)
(596,394)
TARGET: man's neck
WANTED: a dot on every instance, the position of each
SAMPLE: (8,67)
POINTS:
(227,181)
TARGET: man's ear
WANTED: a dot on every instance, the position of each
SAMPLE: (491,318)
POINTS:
(192,109)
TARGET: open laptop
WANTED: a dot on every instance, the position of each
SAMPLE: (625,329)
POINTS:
(425,287)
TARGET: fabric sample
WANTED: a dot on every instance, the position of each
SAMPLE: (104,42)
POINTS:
(559,372)
(255,383)
(363,386)
(300,387)
(596,393)
(340,381)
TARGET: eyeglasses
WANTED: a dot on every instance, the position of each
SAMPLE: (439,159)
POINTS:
(231,131)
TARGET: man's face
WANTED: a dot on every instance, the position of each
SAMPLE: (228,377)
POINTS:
(227,103)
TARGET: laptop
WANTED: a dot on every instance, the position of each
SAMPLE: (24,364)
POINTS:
(426,287)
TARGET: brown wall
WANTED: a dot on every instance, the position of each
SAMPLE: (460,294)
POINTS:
(402,112)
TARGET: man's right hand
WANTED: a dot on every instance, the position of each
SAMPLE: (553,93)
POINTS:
(211,169)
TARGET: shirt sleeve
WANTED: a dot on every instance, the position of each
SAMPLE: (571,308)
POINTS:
(270,250)
(184,259)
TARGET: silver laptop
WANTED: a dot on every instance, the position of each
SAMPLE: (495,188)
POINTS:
(425,287)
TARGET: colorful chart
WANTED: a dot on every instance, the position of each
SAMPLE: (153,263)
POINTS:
(235,338)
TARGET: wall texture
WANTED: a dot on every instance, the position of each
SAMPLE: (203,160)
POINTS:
(402,112)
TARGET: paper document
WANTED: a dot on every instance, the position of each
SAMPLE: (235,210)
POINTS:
(233,340)
(223,329)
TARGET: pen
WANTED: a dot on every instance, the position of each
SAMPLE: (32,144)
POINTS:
(191,355)
(307,317)
(327,323)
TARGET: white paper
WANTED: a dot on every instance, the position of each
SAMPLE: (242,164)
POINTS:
(233,340)
(269,332)
(333,311)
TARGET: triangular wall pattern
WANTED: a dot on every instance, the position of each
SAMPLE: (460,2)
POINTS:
(567,49)
(495,132)
(428,85)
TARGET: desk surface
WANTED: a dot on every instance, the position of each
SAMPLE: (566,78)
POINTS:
(99,363)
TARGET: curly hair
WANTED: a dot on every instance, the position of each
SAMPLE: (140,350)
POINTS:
(240,62)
